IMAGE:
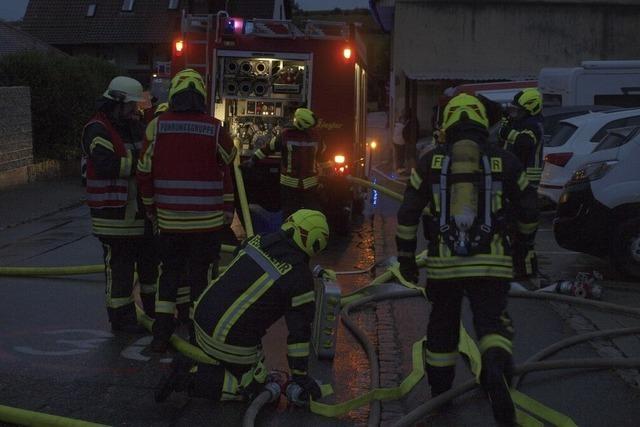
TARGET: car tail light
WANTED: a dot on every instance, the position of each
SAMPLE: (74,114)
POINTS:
(558,159)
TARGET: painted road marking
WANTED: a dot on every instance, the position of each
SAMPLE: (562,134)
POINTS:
(134,351)
(80,345)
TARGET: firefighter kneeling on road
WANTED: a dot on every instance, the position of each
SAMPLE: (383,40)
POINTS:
(181,183)
(111,141)
(471,195)
(302,158)
(269,278)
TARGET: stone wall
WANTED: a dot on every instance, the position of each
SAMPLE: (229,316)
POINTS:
(16,143)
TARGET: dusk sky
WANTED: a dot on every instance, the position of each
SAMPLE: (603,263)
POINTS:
(12,10)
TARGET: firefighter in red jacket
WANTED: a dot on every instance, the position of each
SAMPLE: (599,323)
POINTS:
(111,141)
(180,175)
(302,158)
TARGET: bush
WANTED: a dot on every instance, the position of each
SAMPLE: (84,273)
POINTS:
(64,90)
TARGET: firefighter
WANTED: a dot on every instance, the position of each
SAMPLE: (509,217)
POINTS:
(111,140)
(302,158)
(269,278)
(471,195)
(521,133)
(181,183)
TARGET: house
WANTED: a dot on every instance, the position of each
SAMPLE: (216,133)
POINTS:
(133,34)
(442,43)
(14,40)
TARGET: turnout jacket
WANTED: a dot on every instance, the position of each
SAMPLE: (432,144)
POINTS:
(523,138)
(112,196)
(302,155)
(269,278)
(511,214)
(181,171)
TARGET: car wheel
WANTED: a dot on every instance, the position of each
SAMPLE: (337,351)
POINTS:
(625,253)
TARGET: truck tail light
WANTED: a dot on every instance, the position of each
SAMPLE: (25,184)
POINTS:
(558,159)
(339,159)
(179,47)
(346,53)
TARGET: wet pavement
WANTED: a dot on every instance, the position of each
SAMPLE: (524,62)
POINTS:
(58,355)
(593,398)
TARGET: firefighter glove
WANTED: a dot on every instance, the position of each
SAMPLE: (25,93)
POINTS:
(408,268)
(505,129)
(309,386)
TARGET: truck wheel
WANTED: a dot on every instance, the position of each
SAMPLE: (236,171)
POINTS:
(625,251)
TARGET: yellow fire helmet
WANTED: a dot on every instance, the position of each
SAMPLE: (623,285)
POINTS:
(464,108)
(310,230)
(303,118)
(187,79)
(161,108)
(530,99)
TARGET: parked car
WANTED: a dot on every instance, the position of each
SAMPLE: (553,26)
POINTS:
(573,140)
(599,210)
(553,115)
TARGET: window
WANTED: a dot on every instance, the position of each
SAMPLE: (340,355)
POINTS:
(173,4)
(143,56)
(91,10)
(561,135)
(616,139)
(127,5)
(620,123)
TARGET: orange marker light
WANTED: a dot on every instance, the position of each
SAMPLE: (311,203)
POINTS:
(179,47)
(347,53)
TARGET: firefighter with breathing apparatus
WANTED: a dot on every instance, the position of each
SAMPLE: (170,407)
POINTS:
(302,159)
(475,199)
(269,278)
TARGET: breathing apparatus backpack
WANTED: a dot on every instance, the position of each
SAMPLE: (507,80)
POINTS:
(463,219)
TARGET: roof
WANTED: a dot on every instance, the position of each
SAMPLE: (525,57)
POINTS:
(260,9)
(15,40)
(63,22)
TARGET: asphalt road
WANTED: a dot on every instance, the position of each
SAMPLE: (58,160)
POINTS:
(590,398)
(58,356)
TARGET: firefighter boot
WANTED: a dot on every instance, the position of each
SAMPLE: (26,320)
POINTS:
(180,378)
(495,379)
(440,381)
(123,319)
(163,328)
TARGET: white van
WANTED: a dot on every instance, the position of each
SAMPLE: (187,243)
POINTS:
(593,83)
(599,210)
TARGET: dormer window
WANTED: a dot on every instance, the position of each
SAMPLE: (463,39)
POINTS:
(91,10)
(127,5)
(173,4)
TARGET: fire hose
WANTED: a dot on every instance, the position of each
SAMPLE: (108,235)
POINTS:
(365,296)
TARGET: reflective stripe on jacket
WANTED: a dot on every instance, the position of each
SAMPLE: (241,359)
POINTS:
(181,171)
(111,192)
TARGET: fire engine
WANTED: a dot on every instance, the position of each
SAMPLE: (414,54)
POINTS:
(259,71)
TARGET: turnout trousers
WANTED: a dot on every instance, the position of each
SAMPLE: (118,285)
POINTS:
(123,257)
(494,330)
(188,261)
(293,199)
